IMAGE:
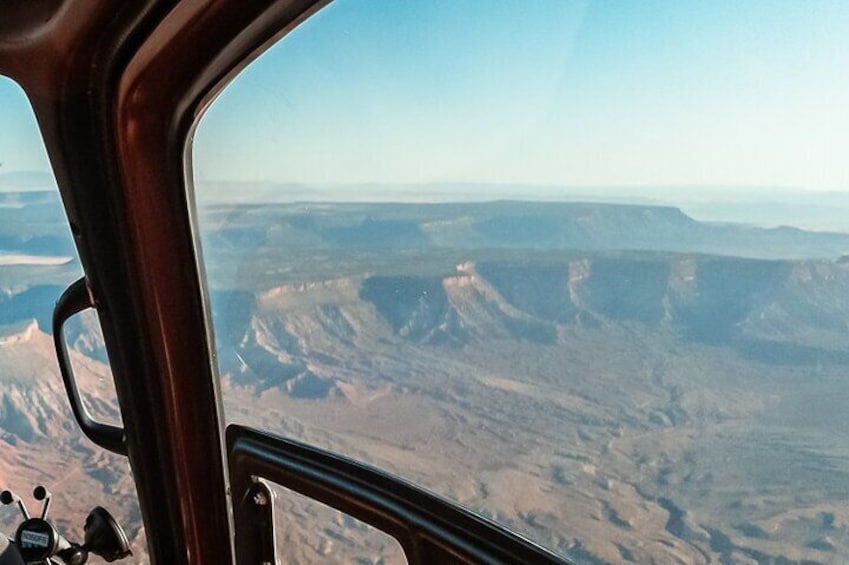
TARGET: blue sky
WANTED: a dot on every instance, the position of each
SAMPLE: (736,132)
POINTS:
(21,148)
(548,93)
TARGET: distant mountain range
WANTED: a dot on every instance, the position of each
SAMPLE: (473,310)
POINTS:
(503,225)
(34,223)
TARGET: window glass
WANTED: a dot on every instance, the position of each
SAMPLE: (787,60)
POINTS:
(41,442)
(578,266)
(308,531)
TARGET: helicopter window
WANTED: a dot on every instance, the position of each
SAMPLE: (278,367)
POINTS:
(41,442)
(578,266)
(310,532)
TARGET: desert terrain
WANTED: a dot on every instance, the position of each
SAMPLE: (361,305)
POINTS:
(618,383)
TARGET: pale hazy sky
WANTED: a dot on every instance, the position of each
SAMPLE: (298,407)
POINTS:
(565,93)
(559,93)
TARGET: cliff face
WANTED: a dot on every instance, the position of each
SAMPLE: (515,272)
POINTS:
(18,333)
(33,403)
(302,338)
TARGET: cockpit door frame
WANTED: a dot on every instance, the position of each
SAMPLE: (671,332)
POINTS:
(117,91)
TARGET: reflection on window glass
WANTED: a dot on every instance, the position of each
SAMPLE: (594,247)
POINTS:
(578,266)
(41,442)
